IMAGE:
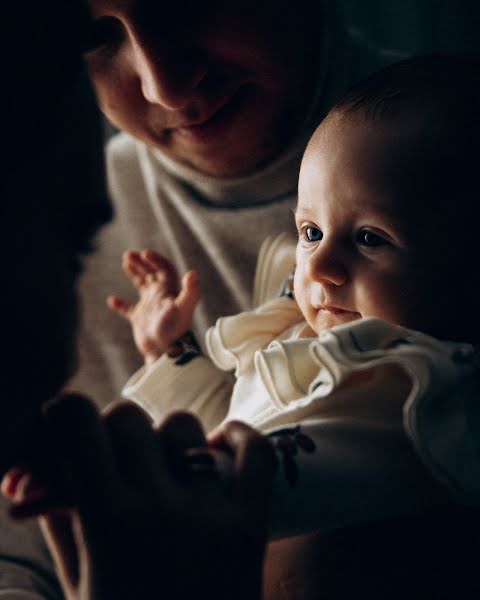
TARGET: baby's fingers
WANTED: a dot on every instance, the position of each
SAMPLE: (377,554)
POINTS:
(189,295)
(156,261)
(161,270)
(120,306)
(134,267)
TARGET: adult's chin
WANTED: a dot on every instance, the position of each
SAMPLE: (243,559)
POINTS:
(236,141)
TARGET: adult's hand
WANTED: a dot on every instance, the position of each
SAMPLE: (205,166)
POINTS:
(146,526)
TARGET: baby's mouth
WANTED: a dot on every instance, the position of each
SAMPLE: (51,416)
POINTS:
(336,310)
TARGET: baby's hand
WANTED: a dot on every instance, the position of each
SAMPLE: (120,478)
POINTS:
(162,314)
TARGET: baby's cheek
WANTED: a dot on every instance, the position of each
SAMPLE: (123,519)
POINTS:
(401,307)
(388,299)
(300,289)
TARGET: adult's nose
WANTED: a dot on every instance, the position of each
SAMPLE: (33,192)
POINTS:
(327,264)
(169,71)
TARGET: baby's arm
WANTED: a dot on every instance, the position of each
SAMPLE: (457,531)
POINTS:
(334,473)
(337,472)
(160,320)
(162,314)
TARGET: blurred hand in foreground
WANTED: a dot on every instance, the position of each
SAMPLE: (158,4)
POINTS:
(140,521)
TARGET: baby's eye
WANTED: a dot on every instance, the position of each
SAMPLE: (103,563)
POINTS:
(313,234)
(368,238)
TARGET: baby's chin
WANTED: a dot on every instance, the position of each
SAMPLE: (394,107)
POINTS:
(326,319)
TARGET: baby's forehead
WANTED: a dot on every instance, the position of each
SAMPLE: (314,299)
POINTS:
(371,151)
(385,170)
(402,152)
(409,128)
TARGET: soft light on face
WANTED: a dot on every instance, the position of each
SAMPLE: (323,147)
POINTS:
(216,85)
(360,252)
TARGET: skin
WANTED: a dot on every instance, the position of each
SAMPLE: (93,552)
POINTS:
(161,315)
(360,254)
(126,507)
(213,85)
(134,508)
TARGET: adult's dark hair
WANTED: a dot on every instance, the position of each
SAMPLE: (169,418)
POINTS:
(52,200)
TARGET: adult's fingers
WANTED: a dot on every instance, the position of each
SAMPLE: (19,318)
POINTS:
(254,464)
(30,497)
(82,444)
(181,430)
(178,434)
(139,457)
(12,479)
(58,531)
(35,505)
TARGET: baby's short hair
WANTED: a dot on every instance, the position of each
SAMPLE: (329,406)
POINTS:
(448,83)
(434,101)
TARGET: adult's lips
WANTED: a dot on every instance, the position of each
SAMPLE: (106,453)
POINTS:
(205,129)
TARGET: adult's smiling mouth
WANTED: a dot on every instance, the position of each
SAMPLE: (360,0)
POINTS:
(214,126)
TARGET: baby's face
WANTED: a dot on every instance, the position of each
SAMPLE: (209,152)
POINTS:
(360,251)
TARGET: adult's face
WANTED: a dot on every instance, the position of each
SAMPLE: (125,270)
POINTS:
(216,85)
(49,218)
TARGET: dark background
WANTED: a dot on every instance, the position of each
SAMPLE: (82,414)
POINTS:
(418,26)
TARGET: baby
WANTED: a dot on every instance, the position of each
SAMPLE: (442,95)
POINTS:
(387,222)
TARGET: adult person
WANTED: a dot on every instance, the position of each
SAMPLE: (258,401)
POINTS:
(216,102)
(206,208)
(47,228)
(25,563)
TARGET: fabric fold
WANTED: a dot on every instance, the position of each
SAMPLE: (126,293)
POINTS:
(232,342)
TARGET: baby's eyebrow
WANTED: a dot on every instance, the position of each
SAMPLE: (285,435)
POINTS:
(300,213)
